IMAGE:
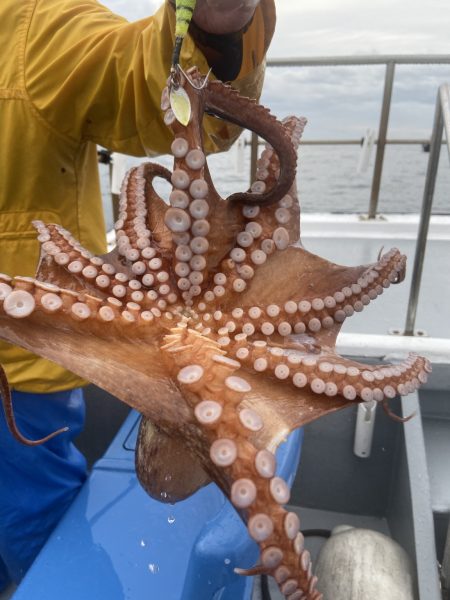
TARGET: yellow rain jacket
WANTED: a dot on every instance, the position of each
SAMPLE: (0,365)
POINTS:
(73,75)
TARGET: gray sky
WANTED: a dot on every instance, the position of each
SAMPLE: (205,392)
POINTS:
(322,27)
(344,102)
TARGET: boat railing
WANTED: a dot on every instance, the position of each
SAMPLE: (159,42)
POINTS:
(441,122)
(390,62)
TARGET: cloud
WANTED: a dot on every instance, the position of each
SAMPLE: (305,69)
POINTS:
(320,27)
(342,102)
(345,101)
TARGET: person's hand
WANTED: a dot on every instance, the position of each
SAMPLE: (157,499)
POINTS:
(223,16)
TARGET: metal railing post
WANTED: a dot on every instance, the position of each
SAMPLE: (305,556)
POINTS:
(427,202)
(382,133)
(444,92)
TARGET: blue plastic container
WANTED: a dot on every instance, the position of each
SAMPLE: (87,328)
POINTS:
(117,543)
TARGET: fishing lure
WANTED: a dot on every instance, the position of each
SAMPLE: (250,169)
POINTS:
(179,100)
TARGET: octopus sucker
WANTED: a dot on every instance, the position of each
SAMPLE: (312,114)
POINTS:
(211,319)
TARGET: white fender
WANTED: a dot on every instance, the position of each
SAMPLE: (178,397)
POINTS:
(360,564)
(366,151)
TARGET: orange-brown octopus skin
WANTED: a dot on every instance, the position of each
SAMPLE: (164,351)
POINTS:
(212,320)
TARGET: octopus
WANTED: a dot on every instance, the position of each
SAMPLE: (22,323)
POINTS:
(212,320)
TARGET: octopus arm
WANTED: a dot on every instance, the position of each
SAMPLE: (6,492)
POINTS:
(123,370)
(226,103)
(297,292)
(304,276)
(5,393)
(241,442)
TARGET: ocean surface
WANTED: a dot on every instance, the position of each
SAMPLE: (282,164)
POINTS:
(327,179)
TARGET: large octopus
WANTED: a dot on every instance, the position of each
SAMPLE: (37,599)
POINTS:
(212,320)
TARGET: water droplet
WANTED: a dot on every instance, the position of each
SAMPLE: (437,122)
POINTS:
(171,519)
(227,561)
(153,568)
(168,477)
(143,544)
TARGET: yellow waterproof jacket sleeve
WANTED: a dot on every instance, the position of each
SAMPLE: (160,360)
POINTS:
(72,75)
(96,77)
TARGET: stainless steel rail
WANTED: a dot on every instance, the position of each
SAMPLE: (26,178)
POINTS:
(441,121)
(361,60)
(382,133)
(354,142)
(390,61)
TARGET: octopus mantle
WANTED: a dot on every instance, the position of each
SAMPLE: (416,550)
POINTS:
(212,320)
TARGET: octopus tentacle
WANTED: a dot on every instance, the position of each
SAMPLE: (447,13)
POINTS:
(142,239)
(23,296)
(311,313)
(137,226)
(247,473)
(264,233)
(227,104)
(5,394)
(329,374)
(313,305)
(86,270)
(195,206)
(286,212)
(395,417)
(60,246)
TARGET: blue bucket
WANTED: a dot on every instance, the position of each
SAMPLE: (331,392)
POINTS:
(116,543)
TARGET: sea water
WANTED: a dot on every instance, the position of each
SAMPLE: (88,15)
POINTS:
(328,180)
